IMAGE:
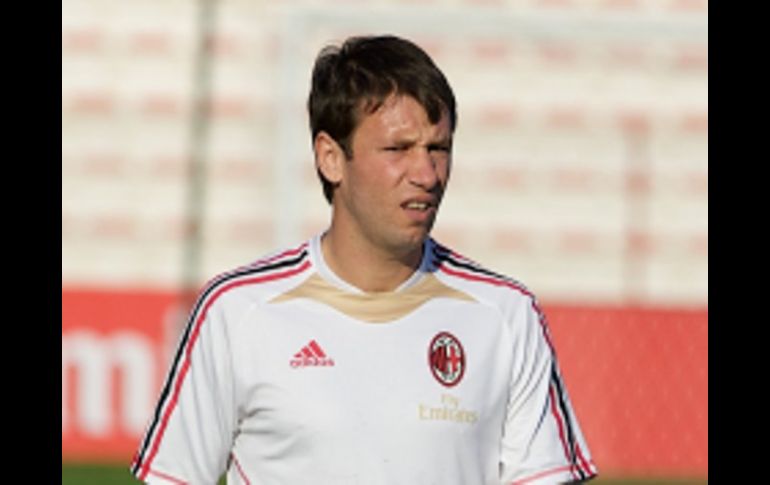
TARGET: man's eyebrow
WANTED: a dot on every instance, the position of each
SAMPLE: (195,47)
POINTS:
(442,141)
(401,142)
(409,140)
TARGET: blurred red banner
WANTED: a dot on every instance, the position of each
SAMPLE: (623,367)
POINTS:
(637,377)
(115,347)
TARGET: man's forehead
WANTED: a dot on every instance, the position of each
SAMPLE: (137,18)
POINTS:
(401,112)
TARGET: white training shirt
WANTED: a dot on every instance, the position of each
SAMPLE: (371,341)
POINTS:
(286,374)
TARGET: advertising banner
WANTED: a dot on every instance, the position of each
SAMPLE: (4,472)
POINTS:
(637,377)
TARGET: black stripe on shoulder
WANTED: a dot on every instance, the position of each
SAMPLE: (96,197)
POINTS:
(445,255)
(254,269)
(247,271)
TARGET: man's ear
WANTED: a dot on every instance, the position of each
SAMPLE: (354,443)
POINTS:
(329,157)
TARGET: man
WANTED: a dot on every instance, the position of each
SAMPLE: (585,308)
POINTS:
(369,354)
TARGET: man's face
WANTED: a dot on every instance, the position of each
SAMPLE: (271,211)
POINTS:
(391,189)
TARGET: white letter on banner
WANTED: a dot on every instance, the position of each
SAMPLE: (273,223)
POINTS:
(94,357)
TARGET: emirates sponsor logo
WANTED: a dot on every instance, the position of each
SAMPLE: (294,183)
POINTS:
(448,410)
(311,355)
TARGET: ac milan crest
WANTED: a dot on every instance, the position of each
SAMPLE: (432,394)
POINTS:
(446,358)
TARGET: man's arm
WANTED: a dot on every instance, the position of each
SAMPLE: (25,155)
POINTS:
(542,441)
(190,433)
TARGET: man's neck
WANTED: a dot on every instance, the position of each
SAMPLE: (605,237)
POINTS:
(365,266)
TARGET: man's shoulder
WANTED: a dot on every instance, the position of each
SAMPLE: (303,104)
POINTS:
(268,274)
(460,270)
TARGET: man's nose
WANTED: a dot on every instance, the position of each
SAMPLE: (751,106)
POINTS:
(424,169)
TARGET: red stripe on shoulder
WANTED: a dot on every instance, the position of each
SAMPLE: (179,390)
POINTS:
(451,252)
(255,265)
(191,344)
(289,252)
(484,279)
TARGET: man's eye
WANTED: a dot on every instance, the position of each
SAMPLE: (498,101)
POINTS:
(395,148)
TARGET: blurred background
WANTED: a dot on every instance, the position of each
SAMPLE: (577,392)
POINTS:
(580,169)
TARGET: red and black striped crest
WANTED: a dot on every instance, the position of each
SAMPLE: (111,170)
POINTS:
(447,359)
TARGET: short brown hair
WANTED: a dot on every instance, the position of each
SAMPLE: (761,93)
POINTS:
(358,76)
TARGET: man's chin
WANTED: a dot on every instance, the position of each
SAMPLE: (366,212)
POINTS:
(414,239)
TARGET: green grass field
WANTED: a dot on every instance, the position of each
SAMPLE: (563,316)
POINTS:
(99,474)
(92,474)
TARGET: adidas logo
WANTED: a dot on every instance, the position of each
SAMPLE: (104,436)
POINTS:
(311,355)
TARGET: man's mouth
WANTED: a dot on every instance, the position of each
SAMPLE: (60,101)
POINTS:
(419,206)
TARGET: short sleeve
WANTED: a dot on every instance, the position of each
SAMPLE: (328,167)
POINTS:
(542,441)
(191,432)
